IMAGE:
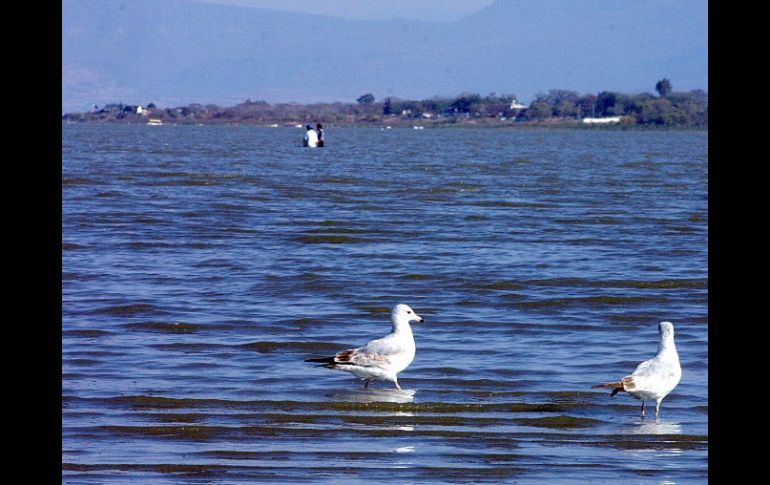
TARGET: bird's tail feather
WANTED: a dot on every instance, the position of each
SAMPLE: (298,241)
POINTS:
(615,386)
(322,360)
(327,362)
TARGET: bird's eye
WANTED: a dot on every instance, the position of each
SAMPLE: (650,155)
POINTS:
(409,311)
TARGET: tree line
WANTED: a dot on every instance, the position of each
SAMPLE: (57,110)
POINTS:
(556,107)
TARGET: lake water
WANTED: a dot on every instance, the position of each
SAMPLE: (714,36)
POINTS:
(202,265)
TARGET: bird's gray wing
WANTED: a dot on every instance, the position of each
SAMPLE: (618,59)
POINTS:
(361,356)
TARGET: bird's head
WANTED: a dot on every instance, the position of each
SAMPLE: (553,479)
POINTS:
(404,314)
(666,330)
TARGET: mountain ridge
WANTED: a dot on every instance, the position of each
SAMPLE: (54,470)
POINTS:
(175,52)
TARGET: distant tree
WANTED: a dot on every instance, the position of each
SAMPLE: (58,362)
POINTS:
(151,105)
(367,98)
(556,96)
(466,103)
(494,107)
(566,109)
(436,104)
(699,96)
(387,107)
(407,106)
(660,112)
(624,105)
(687,108)
(539,111)
(587,106)
(663,87)
(605,104)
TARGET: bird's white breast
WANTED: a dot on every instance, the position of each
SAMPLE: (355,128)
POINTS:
(401,360)
(399,349)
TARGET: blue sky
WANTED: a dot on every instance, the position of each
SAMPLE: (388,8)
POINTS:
(177,52)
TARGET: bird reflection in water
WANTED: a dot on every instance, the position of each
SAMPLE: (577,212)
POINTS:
(375,395)
(657,426)
(402,421)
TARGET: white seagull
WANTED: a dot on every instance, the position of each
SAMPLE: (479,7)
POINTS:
(383,358)
(654,378)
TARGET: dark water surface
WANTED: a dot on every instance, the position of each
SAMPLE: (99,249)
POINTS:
(202,265)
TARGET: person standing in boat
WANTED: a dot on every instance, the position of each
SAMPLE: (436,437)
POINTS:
(320,129)
(311,137)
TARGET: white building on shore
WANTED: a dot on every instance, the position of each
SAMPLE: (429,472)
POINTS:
(609,119)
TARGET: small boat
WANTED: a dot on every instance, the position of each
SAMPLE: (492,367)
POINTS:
(155,122)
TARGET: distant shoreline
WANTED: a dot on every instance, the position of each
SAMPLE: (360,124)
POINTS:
(556,109)
(520,125)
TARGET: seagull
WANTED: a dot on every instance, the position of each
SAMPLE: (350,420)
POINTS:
(654,378)
(382,358)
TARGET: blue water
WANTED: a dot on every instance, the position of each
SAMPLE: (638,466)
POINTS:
(202,264)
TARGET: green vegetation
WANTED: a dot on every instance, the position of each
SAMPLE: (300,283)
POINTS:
(557,107)
(663,87)
(366,99)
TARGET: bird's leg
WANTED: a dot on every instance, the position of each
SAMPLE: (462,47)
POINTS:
(366,383)
(657,408)
(397,386)
(642,407)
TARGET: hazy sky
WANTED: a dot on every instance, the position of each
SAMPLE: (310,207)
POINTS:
(177,52)
(432,10)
